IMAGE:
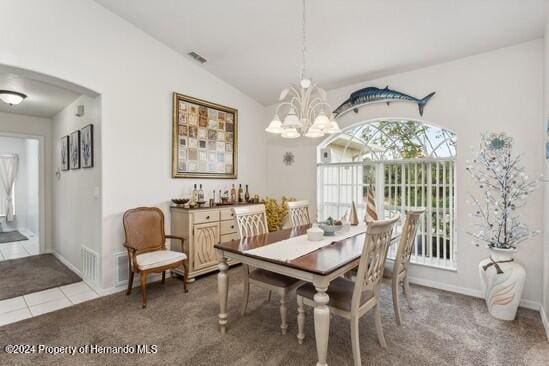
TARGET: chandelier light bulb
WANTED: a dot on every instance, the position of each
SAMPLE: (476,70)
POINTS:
(305,83)
(275,126)
(290,133)
(321,121)
(291,121)
(314,133)
(333,127)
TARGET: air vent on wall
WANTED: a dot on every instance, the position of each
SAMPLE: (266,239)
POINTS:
(197,57)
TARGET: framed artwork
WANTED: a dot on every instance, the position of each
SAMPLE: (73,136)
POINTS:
(205,139)
(64,153)
(74,150)
(86,146)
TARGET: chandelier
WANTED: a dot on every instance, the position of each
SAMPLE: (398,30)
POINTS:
(303,107)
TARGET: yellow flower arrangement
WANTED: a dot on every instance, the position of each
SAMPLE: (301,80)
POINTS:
(276,212)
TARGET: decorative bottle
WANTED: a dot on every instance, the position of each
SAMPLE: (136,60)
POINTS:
(194,195)
(240,193)
(233,194)
(220,200)
(201,194)
(247,195)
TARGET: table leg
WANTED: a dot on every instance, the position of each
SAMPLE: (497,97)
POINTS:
(322,324)
(223,291)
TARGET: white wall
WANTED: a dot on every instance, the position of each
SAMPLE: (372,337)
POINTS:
(76,209)
(32,149)
(494,91)
(41,129)
(82,42)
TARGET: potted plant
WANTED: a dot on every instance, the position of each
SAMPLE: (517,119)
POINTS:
(504,188)
(276,212)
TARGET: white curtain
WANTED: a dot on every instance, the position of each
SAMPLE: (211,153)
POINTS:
(8,174)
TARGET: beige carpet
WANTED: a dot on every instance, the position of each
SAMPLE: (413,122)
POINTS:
(446,329)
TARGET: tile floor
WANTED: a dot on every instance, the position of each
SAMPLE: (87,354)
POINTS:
(20,249)
(37,303)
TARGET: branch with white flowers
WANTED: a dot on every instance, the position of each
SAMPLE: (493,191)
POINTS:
(504,187)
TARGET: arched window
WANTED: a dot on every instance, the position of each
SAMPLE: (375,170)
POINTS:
(409,163)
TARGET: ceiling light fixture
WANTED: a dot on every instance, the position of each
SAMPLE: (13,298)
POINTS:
(307,111)
(11,97)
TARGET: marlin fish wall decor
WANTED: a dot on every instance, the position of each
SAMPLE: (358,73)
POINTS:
(372,94)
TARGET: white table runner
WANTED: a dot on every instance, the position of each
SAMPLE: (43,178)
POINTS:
(292,248)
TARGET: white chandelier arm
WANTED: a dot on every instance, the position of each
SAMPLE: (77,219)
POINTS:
(281,104)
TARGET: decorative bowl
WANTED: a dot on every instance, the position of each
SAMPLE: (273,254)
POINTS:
(329,229)
(180,201)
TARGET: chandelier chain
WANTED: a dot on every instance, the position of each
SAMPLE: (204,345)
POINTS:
(303,41)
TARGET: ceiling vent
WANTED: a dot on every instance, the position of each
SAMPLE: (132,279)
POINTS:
(197,57)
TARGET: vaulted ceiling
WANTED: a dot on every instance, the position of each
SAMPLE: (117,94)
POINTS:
(255,44)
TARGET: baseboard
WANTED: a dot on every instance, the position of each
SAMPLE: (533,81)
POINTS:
(123,286)
(75,270)
(528,304)
(67,263)
(545,321)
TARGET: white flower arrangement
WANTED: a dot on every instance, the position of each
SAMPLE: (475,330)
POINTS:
(505,187)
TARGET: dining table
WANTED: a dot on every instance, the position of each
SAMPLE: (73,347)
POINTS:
(319,267)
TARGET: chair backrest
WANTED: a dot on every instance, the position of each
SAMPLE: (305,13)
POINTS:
(251,220)
(371,212)
(372,261)
(298,213)
(406,244)
(144,229)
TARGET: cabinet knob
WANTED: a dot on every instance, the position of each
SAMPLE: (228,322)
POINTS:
(207,217)
(232,214)
(232,226)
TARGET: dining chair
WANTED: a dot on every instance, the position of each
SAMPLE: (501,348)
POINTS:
(252,221)
(145,241)
(397,270)
(352,300)
(298,213)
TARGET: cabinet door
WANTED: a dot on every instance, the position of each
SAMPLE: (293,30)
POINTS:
(204,238)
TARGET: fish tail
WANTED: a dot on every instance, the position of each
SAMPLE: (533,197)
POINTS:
(421,103)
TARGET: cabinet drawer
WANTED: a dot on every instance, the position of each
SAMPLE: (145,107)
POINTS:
(205,216)
(227,214)
(228,227)
(228,237)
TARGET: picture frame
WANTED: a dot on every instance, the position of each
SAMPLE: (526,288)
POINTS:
(86,146)
(64,153)
(204,139)
(74,150)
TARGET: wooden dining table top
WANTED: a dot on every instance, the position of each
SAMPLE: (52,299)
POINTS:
(322,261)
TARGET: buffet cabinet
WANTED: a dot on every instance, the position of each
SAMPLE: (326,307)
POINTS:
(202,228)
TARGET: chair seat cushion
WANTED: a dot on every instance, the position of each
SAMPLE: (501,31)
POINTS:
(273,279)
(158,258)
(388,270)
(340,293)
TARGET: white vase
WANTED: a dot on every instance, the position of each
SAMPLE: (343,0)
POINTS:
(502,291)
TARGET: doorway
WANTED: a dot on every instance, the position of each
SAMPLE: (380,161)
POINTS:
(19,197)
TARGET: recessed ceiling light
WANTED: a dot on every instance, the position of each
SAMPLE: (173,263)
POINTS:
(11,97)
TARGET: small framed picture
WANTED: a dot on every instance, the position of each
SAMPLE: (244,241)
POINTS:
(326,155)
(74,150)
(64,153)
(86,146)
